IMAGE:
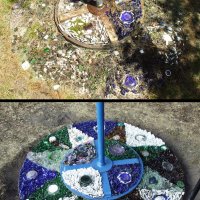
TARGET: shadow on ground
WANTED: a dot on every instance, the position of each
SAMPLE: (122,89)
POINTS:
(181,84)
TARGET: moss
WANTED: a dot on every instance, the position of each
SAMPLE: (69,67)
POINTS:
(77,28)
(32,31)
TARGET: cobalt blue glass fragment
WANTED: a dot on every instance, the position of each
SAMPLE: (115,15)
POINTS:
(33,176)
(88,127)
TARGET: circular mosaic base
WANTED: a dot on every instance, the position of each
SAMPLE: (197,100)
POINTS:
(74,145)
(109,27)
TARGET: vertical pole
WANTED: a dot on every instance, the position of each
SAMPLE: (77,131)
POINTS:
(100,132)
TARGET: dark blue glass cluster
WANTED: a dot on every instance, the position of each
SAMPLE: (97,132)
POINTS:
(28,186)
(88,127)
(123,29)
(118,187)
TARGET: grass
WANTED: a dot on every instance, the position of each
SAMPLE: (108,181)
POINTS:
(15,83)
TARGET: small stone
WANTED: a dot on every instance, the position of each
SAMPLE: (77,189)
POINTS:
(116,137)
(89,32)
(74,57)
(116,150)
(85,181)
(167,38)
(16,6)
(141,51)
(46,37)
(43,5)
(168,72)
(56,87)
(116,53)
(52,139)
(52,188)
(26,65)
(145,153)
(31,175)
(169,29)
(167,166)
(124,177)
(140,138)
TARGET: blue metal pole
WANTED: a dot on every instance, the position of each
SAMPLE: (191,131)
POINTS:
(100,132)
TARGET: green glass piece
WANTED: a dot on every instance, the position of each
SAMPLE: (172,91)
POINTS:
(85,181)
(46,50)
(44,144)
(42,193)
(153,152)
(180,184)
(48,159)
(128,153)
(120,124)
(33,61)
(159,182)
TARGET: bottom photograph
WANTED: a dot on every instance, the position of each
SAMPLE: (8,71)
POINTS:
(75,151)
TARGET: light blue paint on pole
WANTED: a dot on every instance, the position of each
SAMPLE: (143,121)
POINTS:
(100,132)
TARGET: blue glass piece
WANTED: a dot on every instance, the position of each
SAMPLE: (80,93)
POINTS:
(123,91)
(124,177)
(153,180)
(127,17)
(119,177)
(130,81)
(29,182)
(88,127)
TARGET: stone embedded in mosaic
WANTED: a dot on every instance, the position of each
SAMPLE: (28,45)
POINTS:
(31,181)
(121,184)
(152,180)
(83,153)
(85,180)
(127,17)
(130,81)
(116,150)
(31,174)
(124,21)
(167,164)
(72,177)
(62,138)
(53,189)
(124,177)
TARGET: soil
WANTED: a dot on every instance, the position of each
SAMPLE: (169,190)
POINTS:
(101,74)
(23,124)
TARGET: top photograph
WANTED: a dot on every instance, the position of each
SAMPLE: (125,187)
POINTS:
(100,49)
